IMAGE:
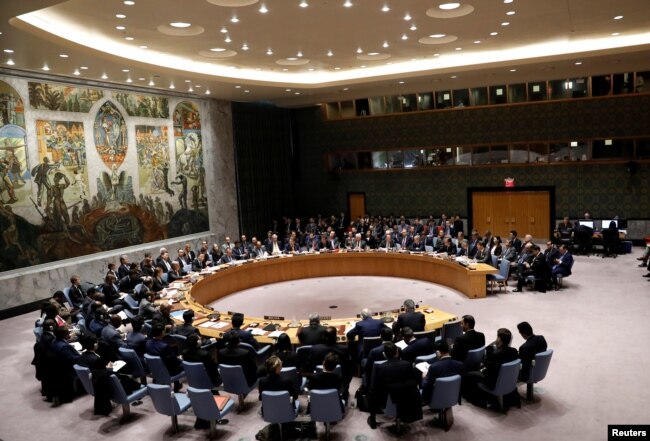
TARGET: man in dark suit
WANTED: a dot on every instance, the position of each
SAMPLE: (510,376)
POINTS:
(235,355)
(227,257)
(186,329)
(468,341)
(163,261)
(448,247)
(200,263)
(377,353)
(124,267)
(444,367)
(538,268)
(75,293)
(175,273)
(244,336)
(405,240)
(366,327)
(490,371)
(533,345)
(516,243)
(416,347)
(318,353)
(327,379)
(473,244)
(414,320)
(388,243)
(401,380)
(312,334)
(155,345)
(112,335)
(563,265)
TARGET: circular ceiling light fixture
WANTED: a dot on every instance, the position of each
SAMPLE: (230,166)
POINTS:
(263,9)
(373,56)
(188,31)
(233,3)
(180,24)
(449,12)
(217,52)
(438,39)
(292,61)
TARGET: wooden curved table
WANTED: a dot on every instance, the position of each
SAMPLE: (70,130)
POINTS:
(231,279)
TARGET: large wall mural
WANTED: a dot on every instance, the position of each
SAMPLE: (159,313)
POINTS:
(60,97)
(85,186)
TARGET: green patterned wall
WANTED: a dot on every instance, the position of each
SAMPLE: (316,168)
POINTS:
(604,189)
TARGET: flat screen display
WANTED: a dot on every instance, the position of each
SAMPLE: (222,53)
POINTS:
(587,223)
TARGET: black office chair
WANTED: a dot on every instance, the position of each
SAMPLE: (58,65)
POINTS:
(582,239)
(610,242)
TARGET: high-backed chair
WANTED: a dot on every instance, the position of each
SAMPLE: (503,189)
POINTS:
(119,396)
(131,303)
(261,354)
(325,407)
(292,374)
(450,331)
(446,391)
(368,344)
(506,381)
(167,403)
(197,376)
(501,279)
(206,408)
(431,335)
(610,242)
(278,409)
(133,364)
(337,370)
(474,358)
(494,259)
(234,382)
(427,358)
(180,340)
(86,378)
(159,370)
(538,370)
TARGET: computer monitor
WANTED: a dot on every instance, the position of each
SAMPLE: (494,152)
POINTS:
(586,223)
(605,223)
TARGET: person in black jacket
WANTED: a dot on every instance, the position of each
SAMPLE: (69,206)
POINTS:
(312,334)
(273,381)
(193,353)
(416,347)
(327,379)
(468,341)
(533,345)
(284,351)
(444,367)
(235,355)
(244,336)
(414,320)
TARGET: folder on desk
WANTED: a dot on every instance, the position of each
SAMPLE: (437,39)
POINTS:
(221,400)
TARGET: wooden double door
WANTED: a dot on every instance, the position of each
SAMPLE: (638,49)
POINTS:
(528,212)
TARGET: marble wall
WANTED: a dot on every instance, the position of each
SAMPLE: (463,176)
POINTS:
(29,284)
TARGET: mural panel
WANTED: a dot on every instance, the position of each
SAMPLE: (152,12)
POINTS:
(44,96)
(110,135)
(144,105)
(15,182)
(190,174)
(152,144)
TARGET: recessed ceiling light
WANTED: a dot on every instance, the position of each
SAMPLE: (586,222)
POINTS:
(234,19)
(180,24)
(244,47)
(578,63)
(337,68)
(616,33)
(198,86)
(385,8)
(129,80)
(129,2)
(10,62)
(120,28)
(188,81)
(453,77)
(9,51)
(346,88)
(438,35)
(513,70)
(363,66)
(347,4)
(285,70)
(618,17)
(45,67)
(292,58)
(104,76)
(120,16)
(128,38)
(141,79)
(477,41)
(505,23)
(359,51)
(269,51)
(413,27)
(171,86)
(217,49)
(510,13)
(449,6)
(296,93)
(303,4)
(287,90)
(494,33)
(299,54)
(507,1)
(459,48)
(263,9)
(330,53)
(373,53)
(143,47)
(385,44)
(224,30)
(207,91)
(83,67)
(436,55)
(246,91)
(407,17)
(190,89)
(311,69)
(151,83)
(401,82)
(405,37)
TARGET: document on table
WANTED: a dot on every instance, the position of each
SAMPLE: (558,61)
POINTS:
(401,344)
(423,366)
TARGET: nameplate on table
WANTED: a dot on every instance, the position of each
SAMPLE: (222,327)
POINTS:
(273,317)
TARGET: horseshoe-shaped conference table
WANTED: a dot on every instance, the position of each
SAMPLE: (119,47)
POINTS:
(219,282)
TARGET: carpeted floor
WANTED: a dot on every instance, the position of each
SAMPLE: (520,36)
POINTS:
(597,325)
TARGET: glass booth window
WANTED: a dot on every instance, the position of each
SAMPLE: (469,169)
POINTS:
(517,93)
(481,155)
(560,152)
(642,82)
(393,104)
(395,159)
(377,105)
(579,150)
(409,102)
(519,154)
(498,95)
(643,148)
(379,160)
(612,149)
(413,158)
(537,91)
(601,85)
(463,156)
(425,101)
(538,152)
(479,96)
(443,100)
(499,154)
(461,98)
(364,160)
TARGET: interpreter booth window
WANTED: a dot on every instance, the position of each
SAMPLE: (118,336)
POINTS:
(342,161)
(570,88)
(379,160)
(519,153)
(537,91)
(364,160)
(642,82)
(409,102)
(643,148)
(498,95)
(499,154)
(623,83)
(377,105)
(538,152)
(461,98)
(463,156)
(612,149)
(425,101)
(413,158)
(480,155)
(479,96)
(443,100)
(395,159)
(332,110)
(347,109)
(517,93)
(559,152)
(601,85)
(439,156)
(579,150)
(393,104)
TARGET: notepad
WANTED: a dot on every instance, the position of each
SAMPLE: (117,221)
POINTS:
(117,365)
(423,367)
(401,344)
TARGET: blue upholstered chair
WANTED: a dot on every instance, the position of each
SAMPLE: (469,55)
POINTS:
(325,407)
(450,331)
(86,378)
(119,396)
(167,403)
(197,376)
(506,381)
(446,393)
(133,364)
(180,340)
(206,408)
(292,374)
(428,358)
(501,278)
(278,409)
(159,370)
(474,358)
(234,382)
(538,370)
